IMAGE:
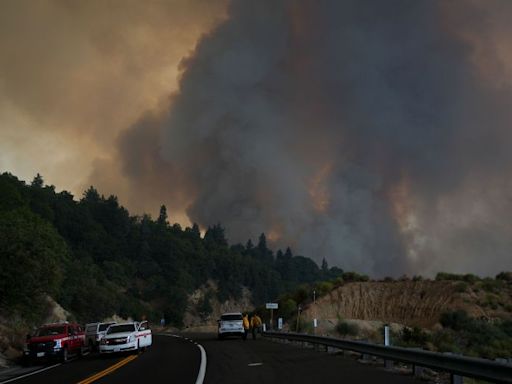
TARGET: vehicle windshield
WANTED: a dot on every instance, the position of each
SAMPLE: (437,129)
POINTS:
(103,327)
(50,331)
(121,328)
(231,317)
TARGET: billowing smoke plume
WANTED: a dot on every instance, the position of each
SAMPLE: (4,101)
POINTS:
(371,133)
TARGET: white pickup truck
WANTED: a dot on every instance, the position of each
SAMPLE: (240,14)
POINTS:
(124,337)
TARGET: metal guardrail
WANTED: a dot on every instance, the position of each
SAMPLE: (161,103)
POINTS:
(464,366)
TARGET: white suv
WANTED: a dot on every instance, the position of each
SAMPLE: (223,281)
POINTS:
(125,337)
(231,324)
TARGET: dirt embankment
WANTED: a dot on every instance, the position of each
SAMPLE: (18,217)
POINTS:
(14,330)
(200,319)
(412,303)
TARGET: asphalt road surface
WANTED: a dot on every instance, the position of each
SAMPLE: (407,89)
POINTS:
(230,361)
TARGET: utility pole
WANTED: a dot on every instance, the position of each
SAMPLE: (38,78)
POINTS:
(299,309)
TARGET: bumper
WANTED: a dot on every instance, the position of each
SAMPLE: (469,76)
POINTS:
(42,355)
(231,332)
(105,348)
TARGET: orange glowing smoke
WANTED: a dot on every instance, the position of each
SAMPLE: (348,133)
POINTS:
(401,203)
(318,190)
(403,209)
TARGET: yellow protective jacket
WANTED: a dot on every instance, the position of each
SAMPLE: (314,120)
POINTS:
(256,321)
(245,319)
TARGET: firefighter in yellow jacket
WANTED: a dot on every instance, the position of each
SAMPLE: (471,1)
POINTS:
(247,325)
(255,325)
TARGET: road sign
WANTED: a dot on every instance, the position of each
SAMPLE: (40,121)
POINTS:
(271,305)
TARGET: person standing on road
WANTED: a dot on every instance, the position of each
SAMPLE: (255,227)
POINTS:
(255,325)
(247,325)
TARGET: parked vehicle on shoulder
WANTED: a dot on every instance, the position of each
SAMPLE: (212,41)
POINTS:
(126,337)
(230,324)
(54,341)
(94,332)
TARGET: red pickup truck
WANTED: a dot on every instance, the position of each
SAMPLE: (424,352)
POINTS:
(59,340)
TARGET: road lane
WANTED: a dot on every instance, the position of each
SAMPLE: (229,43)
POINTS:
(230,361)
(234,361)
(71,372)
(169,360)
(168,357)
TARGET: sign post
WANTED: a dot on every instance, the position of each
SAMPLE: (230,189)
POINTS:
(271,306)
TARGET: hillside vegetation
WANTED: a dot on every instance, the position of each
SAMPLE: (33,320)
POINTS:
(96,260)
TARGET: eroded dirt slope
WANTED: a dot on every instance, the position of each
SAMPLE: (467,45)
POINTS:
(412,303)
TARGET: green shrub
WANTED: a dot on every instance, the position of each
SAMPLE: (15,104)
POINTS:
(505,276)
(345,328)
(287,308)
(323,288)
(456,320)
(461,287)
(304,326)
(491,285)
(469,277)
(353,276)
(415,336)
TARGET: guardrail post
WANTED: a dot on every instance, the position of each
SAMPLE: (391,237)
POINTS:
(388,364)
(455,379)
(417,370)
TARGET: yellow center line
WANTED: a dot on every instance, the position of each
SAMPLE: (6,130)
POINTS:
(105,372)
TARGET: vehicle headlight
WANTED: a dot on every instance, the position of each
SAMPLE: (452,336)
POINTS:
(131,339)
(57,344)
(103,341)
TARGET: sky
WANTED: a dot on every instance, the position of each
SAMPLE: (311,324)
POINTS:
(373,134)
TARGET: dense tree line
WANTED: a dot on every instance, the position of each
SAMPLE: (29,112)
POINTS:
(96,259)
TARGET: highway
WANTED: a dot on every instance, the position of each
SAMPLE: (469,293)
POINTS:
(231,361)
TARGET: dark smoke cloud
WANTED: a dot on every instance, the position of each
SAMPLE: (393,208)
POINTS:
(370,133)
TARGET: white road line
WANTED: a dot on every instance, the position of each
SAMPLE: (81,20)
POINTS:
(254,364)
(202,367)
(31,373)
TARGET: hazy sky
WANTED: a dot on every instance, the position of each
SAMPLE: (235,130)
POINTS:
(373,133)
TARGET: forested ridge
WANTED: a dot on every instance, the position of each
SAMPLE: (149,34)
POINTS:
(97,260)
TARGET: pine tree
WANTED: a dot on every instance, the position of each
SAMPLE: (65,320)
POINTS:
(38,181)
(325,266)
(162,217)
